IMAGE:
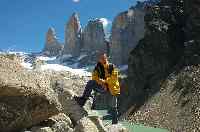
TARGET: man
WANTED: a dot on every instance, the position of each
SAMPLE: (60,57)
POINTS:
(104,79)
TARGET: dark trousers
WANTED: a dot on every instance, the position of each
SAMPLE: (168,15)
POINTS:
(93,85)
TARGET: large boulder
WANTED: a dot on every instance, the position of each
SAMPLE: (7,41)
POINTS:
(93,37)
(85,125)
(127,30)
(70,106)
(72,36)
(26,97)
(57,123)
(52,46)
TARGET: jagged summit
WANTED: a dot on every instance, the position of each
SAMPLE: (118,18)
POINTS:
(51,35)
(52,46)
(72,36)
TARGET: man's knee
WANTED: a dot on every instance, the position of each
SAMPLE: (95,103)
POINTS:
(91,82)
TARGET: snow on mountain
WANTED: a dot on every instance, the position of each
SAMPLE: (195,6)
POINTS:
(55,63)
(44,58)
(57,67)
(51,63)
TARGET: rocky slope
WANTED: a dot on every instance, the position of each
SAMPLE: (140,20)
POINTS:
(162,91)
(176,105)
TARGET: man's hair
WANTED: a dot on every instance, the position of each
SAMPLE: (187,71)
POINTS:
(101,53)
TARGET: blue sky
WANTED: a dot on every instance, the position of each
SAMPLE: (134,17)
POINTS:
(24,23)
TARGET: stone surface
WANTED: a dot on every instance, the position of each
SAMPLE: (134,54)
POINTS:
(62,123)
(127,30)
(93,38)
(72,36)
(70,106)
(116,128)
(52,46)
(41,129)
(86,125)
(26,97)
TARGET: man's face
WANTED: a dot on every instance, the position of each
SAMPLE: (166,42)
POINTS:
(103,59)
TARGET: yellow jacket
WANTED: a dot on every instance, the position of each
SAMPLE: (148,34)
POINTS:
(110,79)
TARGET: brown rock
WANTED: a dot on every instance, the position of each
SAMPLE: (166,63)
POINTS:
(52,46)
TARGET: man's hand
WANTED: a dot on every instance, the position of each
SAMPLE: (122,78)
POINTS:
(105,87)
(103,84)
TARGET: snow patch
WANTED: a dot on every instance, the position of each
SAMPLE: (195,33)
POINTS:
(27,65)
(57,67)
(81,57)
(17,53)
(44,58)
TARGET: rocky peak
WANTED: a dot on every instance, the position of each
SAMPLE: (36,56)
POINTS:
(51,36)
(75,22)
(52,46)
(72,36)
(94,36)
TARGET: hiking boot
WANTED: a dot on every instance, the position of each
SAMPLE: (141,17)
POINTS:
(80,100)
(114,116)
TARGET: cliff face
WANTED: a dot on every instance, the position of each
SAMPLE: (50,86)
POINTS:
(127,30)
(159,78)
(192,13)
(94,37)
(72,36)
(52,46)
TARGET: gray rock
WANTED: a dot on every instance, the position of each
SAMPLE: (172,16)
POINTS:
(70,106)
(72,36)
(93,37)
(52,46)
(85,125)
(37,63)
(62,123)
(127,30)
(116,128)
(41,129)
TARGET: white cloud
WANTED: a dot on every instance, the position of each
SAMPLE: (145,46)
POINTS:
(105,22)
(76,1)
